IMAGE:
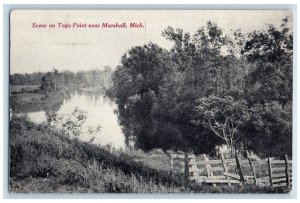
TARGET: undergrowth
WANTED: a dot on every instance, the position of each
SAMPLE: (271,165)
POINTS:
(43,159)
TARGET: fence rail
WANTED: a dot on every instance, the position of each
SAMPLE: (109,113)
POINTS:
(269,172)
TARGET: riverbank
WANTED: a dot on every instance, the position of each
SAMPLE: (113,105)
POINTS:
(41,153)
(93,89)
(29,98)
(36,101)
(43,159)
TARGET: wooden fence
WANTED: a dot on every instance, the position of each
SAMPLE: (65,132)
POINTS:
(269,172)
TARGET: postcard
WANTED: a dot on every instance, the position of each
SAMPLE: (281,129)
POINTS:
(151,101)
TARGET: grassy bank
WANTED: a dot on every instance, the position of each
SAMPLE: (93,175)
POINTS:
(93,89)
(38,153)
(36,101)
(45,160)
(15,89)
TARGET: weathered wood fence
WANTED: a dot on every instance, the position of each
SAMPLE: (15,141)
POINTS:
(268,172)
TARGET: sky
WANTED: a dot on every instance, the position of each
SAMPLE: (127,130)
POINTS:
(77,48)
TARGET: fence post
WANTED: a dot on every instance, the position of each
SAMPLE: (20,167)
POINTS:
(192,165)
(172,164)
(207,167)
(224,164)
(287,173)
(239,169)
(133,177)
(270,171)
(252,167)
(186,166)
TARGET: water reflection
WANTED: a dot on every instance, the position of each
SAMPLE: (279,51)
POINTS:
(100,110)
(158,132)
(37,117)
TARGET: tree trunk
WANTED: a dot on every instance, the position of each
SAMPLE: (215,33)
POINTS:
(230,147)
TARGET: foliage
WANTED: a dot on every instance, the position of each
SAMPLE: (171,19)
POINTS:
(96,79)
(269,127)
(269,91)
(202,73)
(48,83)
(26,79)
(273,45)
(41,151)
(71,126)
(208,89)
(271,54)
(43,159)
(223,116)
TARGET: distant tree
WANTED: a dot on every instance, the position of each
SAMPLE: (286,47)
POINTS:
(48,82)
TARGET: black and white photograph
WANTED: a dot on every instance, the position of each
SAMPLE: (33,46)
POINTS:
(150,101)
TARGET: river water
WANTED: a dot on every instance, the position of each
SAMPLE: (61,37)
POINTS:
(100,111)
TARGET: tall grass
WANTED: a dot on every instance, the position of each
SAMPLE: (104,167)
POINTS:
(36,151)
(43,159)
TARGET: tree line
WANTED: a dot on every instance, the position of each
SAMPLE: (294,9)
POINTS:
(54,80)
(233,89)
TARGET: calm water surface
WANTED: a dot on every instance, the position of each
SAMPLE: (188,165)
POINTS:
(100,111)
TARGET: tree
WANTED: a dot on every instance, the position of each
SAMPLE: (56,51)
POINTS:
(137,82)
(268,132)
(48,82)
(269,89)
(271,56)
(223,116)
(143,70)
(271,45)
(211,79)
